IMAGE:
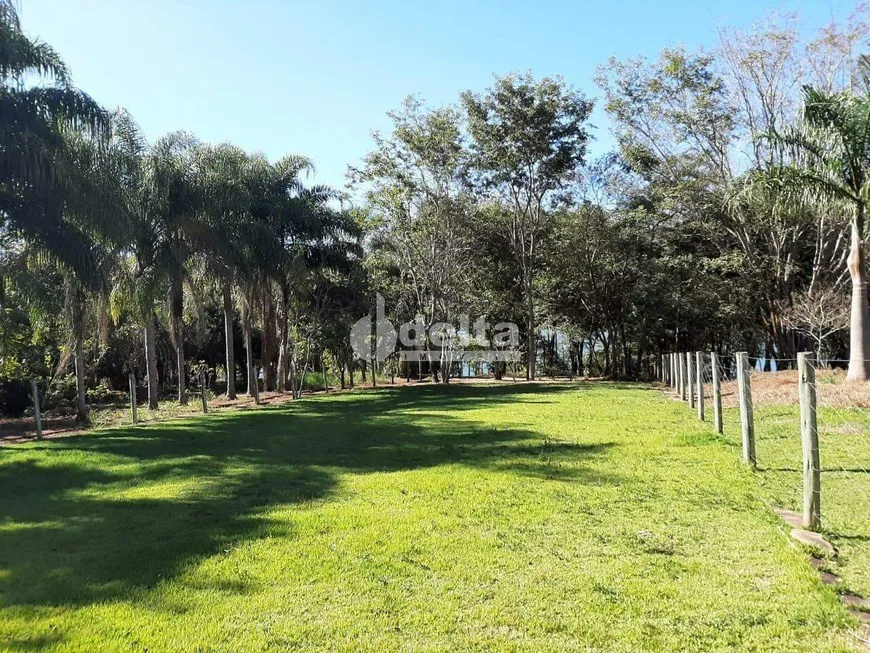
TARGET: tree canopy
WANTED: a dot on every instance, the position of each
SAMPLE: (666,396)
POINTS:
(731,214)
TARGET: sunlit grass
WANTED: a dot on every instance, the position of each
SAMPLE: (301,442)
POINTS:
(556,517)
(844,447)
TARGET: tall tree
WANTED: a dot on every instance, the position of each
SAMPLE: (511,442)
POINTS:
(224,230)
(414,182)
(529,139)
(830,147)
(154,187)
(37,170)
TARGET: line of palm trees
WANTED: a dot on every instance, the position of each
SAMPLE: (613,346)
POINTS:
(129,224)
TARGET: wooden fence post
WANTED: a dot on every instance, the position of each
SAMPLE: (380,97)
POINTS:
(36,412)
(747,421)
(810,441)
(685,367)
(681,365)
(202,390)
(717,392)
(135,417)
(699,371)
(690,379)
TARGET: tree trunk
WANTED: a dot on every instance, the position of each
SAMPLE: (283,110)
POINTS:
(593,358)
(75,307)
(768,355)
(283,337)
(253,390)
(269,318)
(176,320)
(300,384)
(81,392)
(859,323)
(292,376)
(579,357)
(151,361)
(228,337)
(182,385)
(530,324)
(350,373)
(445,366)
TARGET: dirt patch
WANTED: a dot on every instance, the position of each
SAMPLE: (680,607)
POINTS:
(781,388)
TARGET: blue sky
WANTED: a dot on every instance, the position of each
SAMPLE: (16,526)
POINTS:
(316,77)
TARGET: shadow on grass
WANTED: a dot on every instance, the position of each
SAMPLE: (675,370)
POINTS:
(99,516)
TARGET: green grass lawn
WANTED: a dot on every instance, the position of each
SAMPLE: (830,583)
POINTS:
(551,517)
(844,448)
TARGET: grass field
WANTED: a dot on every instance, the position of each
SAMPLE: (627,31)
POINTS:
(544,518)
(844,447)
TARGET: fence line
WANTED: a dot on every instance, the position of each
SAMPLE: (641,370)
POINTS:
(806,433)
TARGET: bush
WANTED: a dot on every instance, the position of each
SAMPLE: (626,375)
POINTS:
(14,397)
(99,395)
(314,382)
(62,392)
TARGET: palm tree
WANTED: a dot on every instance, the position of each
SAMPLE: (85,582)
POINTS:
(830,146)
(170,162)
(53,193)
(225,230)
(50,288)
(154,186)
(290,217)
(37,170)
(261,248)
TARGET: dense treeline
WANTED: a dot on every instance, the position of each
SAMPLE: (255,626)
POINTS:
(730,216)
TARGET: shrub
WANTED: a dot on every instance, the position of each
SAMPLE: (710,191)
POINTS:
(14,397)
(62,392)
(99,395)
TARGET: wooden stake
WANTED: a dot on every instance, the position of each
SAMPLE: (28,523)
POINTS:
(717,392)
(202,390)
(690,379)
(677,381)
(747,421)
(681,365)
(36,412)
(810,442)
(699,370)
(134,415)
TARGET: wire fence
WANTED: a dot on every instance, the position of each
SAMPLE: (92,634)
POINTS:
(805,430)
